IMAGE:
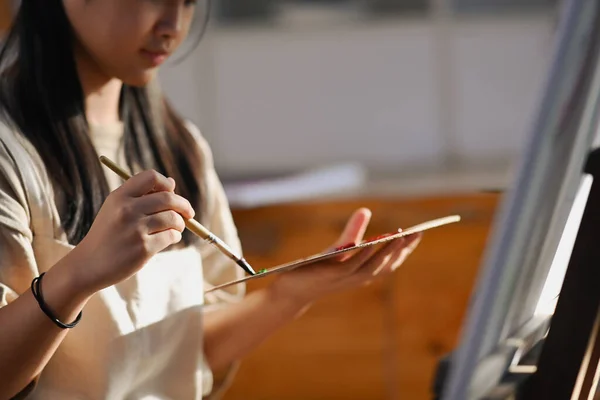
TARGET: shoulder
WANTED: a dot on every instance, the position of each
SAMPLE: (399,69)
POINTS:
(24,179)
(203,144)
(16,149)
(9,143)
(14,197)
(17,152)
(13,154)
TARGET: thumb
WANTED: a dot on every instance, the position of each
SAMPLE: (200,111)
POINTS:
(355,228)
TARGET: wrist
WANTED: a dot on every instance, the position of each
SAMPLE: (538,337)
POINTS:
(61,295)
(71,277)
(288,300)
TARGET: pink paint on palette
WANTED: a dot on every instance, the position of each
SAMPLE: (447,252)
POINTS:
(373,241)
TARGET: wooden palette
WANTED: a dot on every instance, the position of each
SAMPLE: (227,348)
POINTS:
(322,256)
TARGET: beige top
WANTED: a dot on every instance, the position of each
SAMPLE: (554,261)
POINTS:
(140,339)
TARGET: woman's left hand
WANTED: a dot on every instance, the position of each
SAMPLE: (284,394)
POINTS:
(307,284)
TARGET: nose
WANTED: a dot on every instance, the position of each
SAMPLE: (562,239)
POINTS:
(170,24)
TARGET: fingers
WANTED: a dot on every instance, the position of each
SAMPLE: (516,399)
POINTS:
(163,221)
(161,240)
(381,257)
(355,227)
(164,228)
(414,240)
(397,259)
(391,262)
(145,182)
(164,201)
(354,230)
(400,256)
(362,257)
(388,258)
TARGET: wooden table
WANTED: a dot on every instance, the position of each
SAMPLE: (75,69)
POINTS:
(382,341)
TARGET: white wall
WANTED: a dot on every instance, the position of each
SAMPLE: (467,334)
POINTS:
(499,70)
(401,94)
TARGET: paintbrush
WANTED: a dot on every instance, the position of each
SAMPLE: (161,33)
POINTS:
(191,224)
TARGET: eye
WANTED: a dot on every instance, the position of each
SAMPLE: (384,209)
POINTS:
(191,3)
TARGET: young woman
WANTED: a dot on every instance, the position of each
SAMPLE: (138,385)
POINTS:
(101,289)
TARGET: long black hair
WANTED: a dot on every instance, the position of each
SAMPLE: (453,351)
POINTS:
(41,94)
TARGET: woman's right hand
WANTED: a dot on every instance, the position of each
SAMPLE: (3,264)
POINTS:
(139,219)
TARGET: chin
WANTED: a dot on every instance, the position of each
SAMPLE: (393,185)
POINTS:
(139,79)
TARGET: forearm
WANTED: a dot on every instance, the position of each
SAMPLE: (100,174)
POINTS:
(28,338)
(232,332)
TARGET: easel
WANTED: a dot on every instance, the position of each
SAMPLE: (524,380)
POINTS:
(557,357)
(568,365)
(565,364)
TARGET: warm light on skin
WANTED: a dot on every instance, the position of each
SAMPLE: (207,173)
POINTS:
(138,38)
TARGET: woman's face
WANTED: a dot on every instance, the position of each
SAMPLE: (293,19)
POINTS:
(128,39)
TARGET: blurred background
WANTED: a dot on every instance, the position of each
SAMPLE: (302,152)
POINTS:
(414,108)
(396,86)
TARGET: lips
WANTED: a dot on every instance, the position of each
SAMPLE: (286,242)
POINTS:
(155,57)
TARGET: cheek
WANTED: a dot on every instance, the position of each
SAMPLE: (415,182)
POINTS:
(111,37)
(118,47)
(111,50)
(116,51)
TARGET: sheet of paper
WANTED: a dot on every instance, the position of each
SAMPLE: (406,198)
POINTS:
(322,256)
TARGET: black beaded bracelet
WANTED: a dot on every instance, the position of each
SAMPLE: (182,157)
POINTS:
(36,288)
